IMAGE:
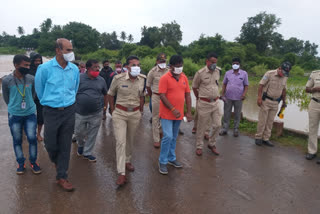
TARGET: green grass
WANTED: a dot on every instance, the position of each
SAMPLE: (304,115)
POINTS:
(11,51)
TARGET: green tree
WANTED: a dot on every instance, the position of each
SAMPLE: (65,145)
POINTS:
(123,36)
(20,30)
(260,30)
(171,34)
(46,25)
(130,38)
(150,36)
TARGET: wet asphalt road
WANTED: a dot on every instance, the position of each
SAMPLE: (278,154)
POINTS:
(243,179)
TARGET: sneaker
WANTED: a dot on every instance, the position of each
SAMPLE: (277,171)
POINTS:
(90,158)
(35,168)
(235,133)
(223,132)
(163,168)
(175,163)
(21,169)
(80,151)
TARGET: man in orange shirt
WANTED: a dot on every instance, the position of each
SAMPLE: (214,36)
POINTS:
(174,91)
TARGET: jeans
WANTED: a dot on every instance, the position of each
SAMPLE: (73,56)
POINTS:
(87,126)
(170,129)
(29,124)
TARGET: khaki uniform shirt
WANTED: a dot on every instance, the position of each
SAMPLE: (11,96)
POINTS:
(314,81)
(154,76)
(206,82)
(128,92)
(273,84)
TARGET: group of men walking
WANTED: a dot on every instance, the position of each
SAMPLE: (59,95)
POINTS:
(70,102)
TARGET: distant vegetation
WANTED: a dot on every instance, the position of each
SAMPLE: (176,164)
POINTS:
(259,45)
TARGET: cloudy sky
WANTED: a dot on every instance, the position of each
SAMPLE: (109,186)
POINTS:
(299,18)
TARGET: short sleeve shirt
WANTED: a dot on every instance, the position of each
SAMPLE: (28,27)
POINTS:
(90,96)
(207,82)
(314,81)
(175,93)
(273,84)
(128,92)
(153,78)
(235,83)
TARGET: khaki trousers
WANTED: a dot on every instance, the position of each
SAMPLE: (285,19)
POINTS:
(314,118)
(267,113)
(155,117)
(209,115)
(125,125)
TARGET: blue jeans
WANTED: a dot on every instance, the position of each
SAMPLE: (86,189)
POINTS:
(29,124)
(170,129)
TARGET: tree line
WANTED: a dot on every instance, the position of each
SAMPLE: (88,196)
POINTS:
(259,45)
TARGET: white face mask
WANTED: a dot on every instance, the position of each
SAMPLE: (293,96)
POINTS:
(135,71)
(177,70)
(68,57)
(125,69)
(235,67)
(162,65)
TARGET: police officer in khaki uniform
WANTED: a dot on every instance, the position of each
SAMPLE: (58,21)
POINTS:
(206,89)
(272,89)
(153,79)
(313,87)
(126,113)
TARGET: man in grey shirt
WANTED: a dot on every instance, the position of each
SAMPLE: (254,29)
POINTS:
(90,100)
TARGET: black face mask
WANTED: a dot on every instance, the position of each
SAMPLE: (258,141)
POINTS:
(24,70)
(106,67)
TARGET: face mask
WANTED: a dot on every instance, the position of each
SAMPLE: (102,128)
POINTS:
(285,73)
(82,70)
(235,67)
(162,65)
(68,57)
(135,71)
(24,70)
(94,74)
(212,67)
(106,67)
(125,69)
(118,70)
(177,70)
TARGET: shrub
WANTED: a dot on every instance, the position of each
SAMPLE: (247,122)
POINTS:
(297,71)
(259,70)
(146,64)
(101,55)
(190,68)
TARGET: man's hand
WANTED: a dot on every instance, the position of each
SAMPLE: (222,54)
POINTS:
(243,97)
(259,101)
(176,113)
(189,117)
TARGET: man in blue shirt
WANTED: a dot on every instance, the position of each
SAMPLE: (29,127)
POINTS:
(56,84)
(18,92)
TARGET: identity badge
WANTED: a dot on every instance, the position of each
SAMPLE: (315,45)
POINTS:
(23,104)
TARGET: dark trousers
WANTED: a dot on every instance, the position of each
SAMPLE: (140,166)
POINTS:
(58,130)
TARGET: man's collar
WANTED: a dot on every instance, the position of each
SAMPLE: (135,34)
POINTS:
(56,63)
(128,77)
(237,72)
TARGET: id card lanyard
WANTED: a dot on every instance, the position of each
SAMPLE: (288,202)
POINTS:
(23,103)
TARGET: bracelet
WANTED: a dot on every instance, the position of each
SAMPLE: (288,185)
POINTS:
(173,109)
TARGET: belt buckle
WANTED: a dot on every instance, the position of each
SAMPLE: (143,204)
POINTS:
(130,109)
(61,108)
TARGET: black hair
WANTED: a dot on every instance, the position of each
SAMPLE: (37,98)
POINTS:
(90,62)
(17,59)
(236,59)
(105,61)
(212,54)
(131,58)
(77,64)
(118,62)
(175,59)
(125,64)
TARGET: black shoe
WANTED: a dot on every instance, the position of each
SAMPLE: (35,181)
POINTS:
(318,161)
(258,142)
(268,143)
(181,132)
(311,156)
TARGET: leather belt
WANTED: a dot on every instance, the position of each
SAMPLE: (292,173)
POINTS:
(209,100)
(127,109)
(315,99)
(156,93)
(60,108)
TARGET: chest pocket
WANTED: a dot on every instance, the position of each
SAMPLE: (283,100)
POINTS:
(317,81)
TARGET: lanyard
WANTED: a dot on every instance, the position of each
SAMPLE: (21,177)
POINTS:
(24,87)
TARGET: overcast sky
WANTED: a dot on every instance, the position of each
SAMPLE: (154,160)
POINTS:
(299,18)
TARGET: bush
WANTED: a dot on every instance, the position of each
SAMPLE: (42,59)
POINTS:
(11,50)
(102,54)
(190,68)
(297,71)
(147,63)
(259,70)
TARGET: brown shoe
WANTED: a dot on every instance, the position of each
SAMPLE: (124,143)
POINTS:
(206,136)
(122,180)
(65,184)
(156,145)
(199,152)
(213,149)
(129,167)
(194,130)
(161,135)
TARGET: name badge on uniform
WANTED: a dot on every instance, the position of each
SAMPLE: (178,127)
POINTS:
(23,104)
(124,86)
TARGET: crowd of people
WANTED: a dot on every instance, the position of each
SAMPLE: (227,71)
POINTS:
(68,98)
